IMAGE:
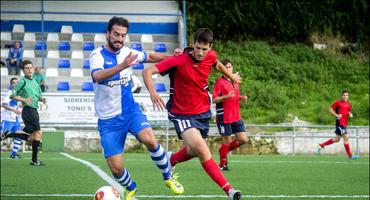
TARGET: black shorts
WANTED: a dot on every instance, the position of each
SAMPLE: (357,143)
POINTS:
(340,130)
(228,129)
(31,119)
(184,122)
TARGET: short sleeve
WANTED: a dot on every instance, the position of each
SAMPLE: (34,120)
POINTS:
(217,89)
(142,56)
(167,64)
(334,105)
(96,62)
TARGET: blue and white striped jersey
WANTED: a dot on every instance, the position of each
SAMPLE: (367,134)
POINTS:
(7,115)
(113,96)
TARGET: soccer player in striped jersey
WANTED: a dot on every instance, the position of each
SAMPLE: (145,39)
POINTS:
(10,118)
(116,109)
(189,104)
(341,109)
(226,96)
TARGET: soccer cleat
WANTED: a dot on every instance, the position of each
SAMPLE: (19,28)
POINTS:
(4,135)
(16,156)
(172,168)
(235,194)
(224,168)
(129,195)
(174,185)
(354,157)
(319,148)
(37,163)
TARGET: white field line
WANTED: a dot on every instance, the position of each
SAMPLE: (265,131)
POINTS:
(199,196)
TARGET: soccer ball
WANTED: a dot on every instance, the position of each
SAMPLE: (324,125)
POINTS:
(107,193)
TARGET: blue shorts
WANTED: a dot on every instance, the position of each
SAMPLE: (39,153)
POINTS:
(184,122)
(340,130)
(10,126)
(228,129)
(113,132)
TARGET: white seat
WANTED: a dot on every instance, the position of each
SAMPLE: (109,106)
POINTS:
(127,39)
(77,37)
(29,37)
(99,37)
(66,29)
(6,36)
(51,72)
(53,54)
(4,53)
(77,55)
(4,71)
(28,54)
(146,38)
(155,76)
(77,73)
(18,28)
(52,37)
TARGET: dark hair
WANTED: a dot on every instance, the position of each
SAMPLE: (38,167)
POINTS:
(24,63)
(225,61)
(120,21)
(345,91)
(12,79)
(203,35)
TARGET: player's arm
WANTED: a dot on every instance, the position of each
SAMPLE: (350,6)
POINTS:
(156,57)
(243,98)
(331,110)
(221,68)
(148,81)
(220,99)
(15,94)
(6,106)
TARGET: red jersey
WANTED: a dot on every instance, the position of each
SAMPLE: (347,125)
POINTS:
(344,108)
(189,82)
(227,111)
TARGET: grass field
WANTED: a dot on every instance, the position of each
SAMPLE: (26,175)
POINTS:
(258,177)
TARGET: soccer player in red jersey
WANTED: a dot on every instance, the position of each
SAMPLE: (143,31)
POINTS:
(341,109)
(227,96)
(189,104)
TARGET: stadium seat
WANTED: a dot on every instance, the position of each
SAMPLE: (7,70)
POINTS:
(51,72)
(160,87)
(28,54)
(99,37)
(64,46)
(88,46)
(77,37)
(64,63)
(6,36)
(127,39)
(87,86)
(146,38)
(77,73)
(66,29)
(137,46)
(139,66)
(86,64)
(29,37)
(63,86)
(5,53)
(4,71)
(77,55)
(160,47)
(38,45)
(52,37)
(18,28)
(53,54)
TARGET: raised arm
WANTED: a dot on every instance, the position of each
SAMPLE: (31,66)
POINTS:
(234,77)
(148,81)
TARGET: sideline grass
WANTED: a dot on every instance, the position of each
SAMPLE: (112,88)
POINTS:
(253,175)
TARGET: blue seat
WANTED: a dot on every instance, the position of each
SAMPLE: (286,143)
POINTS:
(64,63)
(38,45)
(63,86)
(137,46)
(160,47)
(86,64)
(88,46)
(64,46)
(160,87)
(87,86)
(139,66)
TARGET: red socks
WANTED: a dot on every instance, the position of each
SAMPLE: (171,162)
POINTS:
(233,145)
(349,153)
(224,150)
(180,156)
(213,171)
(329,142)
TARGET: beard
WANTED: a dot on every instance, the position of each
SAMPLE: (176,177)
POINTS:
(111,45)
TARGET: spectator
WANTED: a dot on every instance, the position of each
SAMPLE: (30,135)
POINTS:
(39,77)
(15,57)
(136,84)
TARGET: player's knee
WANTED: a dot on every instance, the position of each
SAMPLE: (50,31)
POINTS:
(242,140)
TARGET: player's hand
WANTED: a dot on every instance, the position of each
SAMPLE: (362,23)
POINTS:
(244,98)
(339,116)
(350,115)
(17,112)
(130,60)
(158,103)
(177,51)
(230,94)
(236,78)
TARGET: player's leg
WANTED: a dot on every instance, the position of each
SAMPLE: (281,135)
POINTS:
(338,134)
(347,147)
(16,142)
(241,135)
(224,150)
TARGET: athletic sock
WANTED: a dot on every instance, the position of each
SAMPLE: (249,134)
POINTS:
(213,171)
(233,145)
(180,156)
(16,146)
(348,149)
(224,150)
(328,142)
(125,180)
(35,149)
(159,158)
(22,136)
